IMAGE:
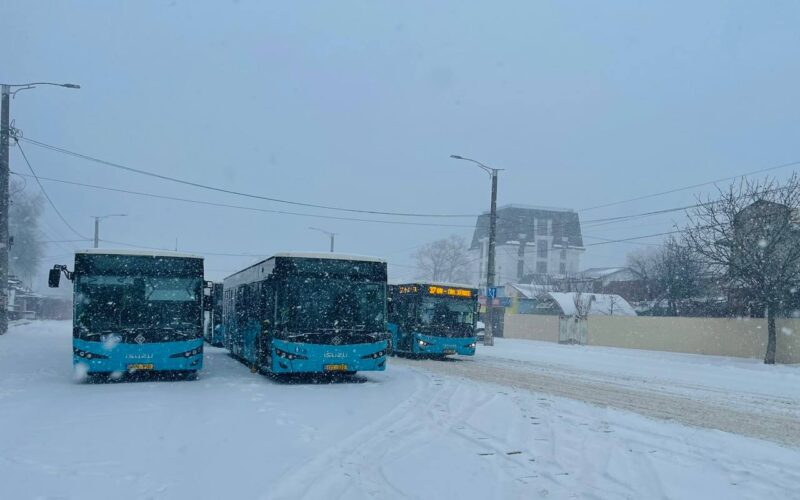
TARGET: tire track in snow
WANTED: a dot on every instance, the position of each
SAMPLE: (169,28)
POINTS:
(757,402)
(780,427)
(357,466)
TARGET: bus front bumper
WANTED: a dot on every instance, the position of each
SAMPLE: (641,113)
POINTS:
(296,357)
(443,346)
(99,357)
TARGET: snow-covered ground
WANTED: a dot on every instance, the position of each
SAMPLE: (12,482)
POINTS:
(408,432)
(731,394)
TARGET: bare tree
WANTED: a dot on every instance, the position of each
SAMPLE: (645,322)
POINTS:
(750,237)
(444,260)
(679,275)
(671,273)
(583,305)
(23,218)
(643,263)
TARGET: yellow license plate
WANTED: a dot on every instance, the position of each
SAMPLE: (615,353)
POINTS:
(449,351)
(335,368)
(140,366)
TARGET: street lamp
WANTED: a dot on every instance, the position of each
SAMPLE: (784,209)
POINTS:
(97,219)
(330,234)
(5,134)
(489,334)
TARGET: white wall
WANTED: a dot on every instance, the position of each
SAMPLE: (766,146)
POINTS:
(507,256)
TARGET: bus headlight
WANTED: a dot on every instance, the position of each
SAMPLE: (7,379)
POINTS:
(422,343)
(374,355)
(86,354)
(188,354)
(288,355)
(472,345)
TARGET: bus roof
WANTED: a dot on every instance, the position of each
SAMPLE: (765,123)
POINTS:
(328,255)
(145,253)
(247,273)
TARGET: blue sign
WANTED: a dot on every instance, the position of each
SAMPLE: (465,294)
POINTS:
(491,292)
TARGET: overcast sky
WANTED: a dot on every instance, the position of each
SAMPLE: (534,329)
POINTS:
(359,104)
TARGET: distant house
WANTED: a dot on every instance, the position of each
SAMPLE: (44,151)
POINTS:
(603,276)
(531,242)
(597,304)
(616,281)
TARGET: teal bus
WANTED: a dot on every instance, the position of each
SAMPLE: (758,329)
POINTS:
(135,311)
(433,319)
(308,313)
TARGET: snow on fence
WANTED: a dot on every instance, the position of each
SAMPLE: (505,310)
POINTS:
(744,338)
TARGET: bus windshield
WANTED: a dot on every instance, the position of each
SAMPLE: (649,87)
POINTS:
(447,316)
(143,297)
(311,305)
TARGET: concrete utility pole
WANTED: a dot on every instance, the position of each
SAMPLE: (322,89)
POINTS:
(5,137)
(490,276)
(98,218)
(4,205)
(330,235)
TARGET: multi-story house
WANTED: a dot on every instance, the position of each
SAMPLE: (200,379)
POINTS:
(531,242)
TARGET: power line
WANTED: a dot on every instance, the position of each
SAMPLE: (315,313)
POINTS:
(44,192)
(240,207)
(675,190)
(230,191)
(623,240)
(215,254)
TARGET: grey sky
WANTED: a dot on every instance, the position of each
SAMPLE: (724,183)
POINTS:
(359,104)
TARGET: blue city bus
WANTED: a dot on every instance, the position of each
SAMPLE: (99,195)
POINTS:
(135,311)
(308,313)
(212,330)
(433,319)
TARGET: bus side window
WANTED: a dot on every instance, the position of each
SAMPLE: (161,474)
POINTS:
(267,307)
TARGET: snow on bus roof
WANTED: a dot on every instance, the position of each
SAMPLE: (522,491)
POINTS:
(328,255)
(134,251)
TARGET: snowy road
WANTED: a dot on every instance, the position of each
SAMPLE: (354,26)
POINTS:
(750,411)
(410,432)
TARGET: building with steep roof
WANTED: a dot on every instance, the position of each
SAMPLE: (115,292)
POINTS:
(531,241)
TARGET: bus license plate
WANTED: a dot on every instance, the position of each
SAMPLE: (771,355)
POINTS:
(140,366)
(449,351)
(335,368)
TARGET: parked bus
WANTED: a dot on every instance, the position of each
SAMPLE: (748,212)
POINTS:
(136,311)
(308,313)
(433,319)
(212,329)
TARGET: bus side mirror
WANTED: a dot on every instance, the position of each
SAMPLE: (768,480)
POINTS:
(208,304)
(54,279)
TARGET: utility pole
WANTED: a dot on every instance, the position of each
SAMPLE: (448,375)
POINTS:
(5,137)
(97,219)
(5,132)
(489,334)
(330,235)
(488,338)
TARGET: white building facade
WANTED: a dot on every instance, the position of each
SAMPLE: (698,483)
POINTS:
(531,242)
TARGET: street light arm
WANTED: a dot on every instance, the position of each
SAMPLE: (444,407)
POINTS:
(488,170)
(322,231)
(65,85)
(27,86)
